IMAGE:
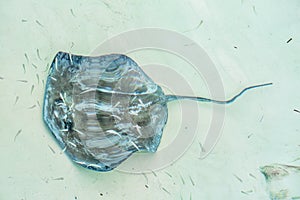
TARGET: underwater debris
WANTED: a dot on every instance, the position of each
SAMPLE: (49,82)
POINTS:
(282,181)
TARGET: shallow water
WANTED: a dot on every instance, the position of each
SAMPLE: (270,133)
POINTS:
(248,42)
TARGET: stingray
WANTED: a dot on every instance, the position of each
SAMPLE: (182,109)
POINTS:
(103,109)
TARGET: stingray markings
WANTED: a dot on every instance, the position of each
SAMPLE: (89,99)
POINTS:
(103,109)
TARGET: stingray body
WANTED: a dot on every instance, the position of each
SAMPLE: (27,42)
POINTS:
(103,109)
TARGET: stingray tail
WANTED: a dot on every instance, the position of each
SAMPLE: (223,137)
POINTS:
(202,99)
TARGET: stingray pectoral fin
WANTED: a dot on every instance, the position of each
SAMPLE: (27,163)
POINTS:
(203,99)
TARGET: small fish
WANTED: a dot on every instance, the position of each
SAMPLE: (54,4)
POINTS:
(168,174)
(23,81)
(154,173)
(31,107)
(193,183)
(32,88)
(33,65)
(106,4)
(198,26)
(1,78)
(289,40)
(164,189)
(262,117)
(247,192)
(18,133)
(17,99)
(72,45)
(252,176)
(145,177)
(296,110)
(71,10)
(38,103)
(24,20)
(201,22)
(47,67)
(58,179)
(254,10)
(23,65)
(190,44)
(238,178)
(38,78)
(26,57)
(39,23)
(201,147)
(183,182)
(38,54)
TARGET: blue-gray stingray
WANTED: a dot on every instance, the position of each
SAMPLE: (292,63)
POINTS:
(103,109)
